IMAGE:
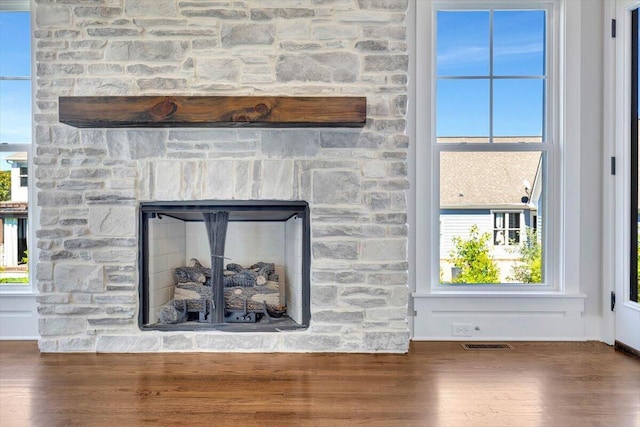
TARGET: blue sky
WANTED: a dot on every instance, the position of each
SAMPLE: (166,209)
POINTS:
(463,50)
(15,96)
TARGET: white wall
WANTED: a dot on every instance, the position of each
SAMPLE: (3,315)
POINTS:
(293,270)
(246,243)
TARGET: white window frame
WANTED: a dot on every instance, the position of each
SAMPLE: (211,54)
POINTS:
(427,152)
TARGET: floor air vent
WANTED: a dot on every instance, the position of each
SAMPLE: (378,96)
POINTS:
(492,346)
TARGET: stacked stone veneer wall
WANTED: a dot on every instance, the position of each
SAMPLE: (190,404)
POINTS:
(89,182)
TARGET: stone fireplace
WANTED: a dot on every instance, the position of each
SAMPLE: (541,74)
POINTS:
(91,183)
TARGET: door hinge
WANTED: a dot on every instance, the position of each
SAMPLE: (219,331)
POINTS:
(613,165)
(613,28)
(613,301)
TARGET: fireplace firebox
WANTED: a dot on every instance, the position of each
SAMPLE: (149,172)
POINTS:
(224,265)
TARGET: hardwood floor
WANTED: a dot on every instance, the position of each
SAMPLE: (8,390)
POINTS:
(435,384)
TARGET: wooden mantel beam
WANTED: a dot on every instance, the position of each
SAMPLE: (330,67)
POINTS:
(212,111)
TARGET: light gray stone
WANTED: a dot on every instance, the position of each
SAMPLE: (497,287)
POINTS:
(246,342)
(220,181)
(284,13)
(151,50)
(50,16)
(116,298)
(215,13)
(136,144)
(386,63)
(113,32)
(365,302)
(77,344)
(338,316)
(384,249)
(395,5)
(162,83)
(321,67)
(58,198)
(277,180)
(61,326)
(386,341)
(335,250)
(177,342)
(141,8)
(47,345)
(78,278)
(311,342)
(246,34)
(336,187)
(218,69)
(324,295)
(290,143)
(115,255)
(112,221)
(128,344)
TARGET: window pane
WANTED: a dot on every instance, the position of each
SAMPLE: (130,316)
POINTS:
(518,109)
(463,43)
(15,44)
(518,43)
(13,219)
(15,111)
(462,108)
(478,244)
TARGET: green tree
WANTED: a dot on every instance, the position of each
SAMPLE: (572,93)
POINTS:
(529,268)
(472,256)
(5,186)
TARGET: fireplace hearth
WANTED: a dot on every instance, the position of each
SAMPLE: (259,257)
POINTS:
(224,265)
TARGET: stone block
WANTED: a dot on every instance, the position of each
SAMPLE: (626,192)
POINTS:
(283,13)
(219,13)
(324,295)
(335,250)
(309,342)
(134,144)
(218,69)
(247,34)
(384,249)
(50,16)
(168,175)
(115,255)
(337,187)
(318,67)
(338,316)
(128,344)
(112,221)
(78,278)
(386,341)
(245,342)
(58,198)
(177,342)
(220,179)
(148,50)
(141,8)
(386,63)
(290,143)
(392,5)
(61,326)
(77,344)
(277,180)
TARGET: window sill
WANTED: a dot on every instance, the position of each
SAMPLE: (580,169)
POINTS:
(24,289)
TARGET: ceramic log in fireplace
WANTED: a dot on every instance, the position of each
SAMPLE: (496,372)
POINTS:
(224,265)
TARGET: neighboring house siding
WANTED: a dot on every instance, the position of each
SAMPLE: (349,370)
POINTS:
(458,222)
(19,193)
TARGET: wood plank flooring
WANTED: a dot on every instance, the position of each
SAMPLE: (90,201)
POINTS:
(435,384)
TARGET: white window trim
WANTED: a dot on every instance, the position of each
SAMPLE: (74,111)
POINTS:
(562,252)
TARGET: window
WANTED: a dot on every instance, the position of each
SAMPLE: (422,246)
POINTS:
(24,179)
(506,228)
(15,141)
(493,148)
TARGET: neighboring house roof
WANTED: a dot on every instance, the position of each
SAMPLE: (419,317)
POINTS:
(487,179)
(17,157)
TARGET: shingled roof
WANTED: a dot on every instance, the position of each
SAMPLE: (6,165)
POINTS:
(486,179)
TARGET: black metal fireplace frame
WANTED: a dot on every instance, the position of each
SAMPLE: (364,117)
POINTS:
(239,211)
